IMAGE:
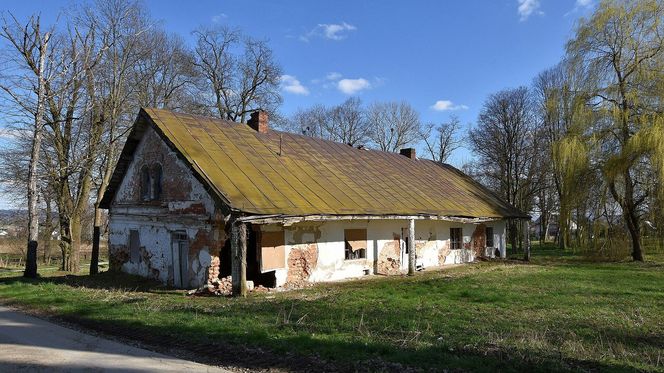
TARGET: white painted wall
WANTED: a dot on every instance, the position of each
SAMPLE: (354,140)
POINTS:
(431,237)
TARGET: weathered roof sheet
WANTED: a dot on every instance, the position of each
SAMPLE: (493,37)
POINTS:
(288,174)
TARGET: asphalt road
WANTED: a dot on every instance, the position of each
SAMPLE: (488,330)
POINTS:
(29,344)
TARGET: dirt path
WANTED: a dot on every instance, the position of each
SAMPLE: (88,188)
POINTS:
(29,344)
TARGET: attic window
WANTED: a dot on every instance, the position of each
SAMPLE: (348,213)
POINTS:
(146,184)
(151,179)
(156,182)
(455,238)
(356,244)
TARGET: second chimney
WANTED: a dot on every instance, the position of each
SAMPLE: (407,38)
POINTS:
(259,121)
(408,152)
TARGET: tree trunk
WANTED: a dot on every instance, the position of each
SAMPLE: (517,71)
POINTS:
(70,231)
(49,231)
(635,235)
(96,233)
(512,234)
(526,238)
(33,213)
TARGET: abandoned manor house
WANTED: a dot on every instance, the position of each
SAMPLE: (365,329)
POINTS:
(193,196)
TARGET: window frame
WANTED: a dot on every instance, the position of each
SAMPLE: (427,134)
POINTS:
(146,184)
(156,176)
(489,237)
(456,243)
(359,254)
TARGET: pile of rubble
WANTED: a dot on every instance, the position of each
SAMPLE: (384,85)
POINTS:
(224,286)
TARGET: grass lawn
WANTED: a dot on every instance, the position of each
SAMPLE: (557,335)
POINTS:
(557,313)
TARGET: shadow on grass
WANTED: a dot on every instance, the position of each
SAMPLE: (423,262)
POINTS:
(291,348)
(316,355)
(108,280)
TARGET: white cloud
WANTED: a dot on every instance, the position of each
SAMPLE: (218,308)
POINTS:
(528,7)
(333,76)
(332,31)
(290,84)
(217,18)
(352,86)
(445,105)
(584,3)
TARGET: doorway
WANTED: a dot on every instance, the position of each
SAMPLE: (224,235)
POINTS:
(180,255)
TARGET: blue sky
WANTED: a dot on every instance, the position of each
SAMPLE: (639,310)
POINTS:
(443,57)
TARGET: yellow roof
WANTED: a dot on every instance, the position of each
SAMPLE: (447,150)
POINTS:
(287,174)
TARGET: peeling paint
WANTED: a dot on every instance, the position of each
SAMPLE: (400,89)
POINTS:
(302,260)
(478,240)
(389,260)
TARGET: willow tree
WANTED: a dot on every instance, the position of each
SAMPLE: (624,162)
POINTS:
(564,117)
(621,47)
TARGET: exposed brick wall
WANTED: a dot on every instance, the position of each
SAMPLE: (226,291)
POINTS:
(302,260)
(389,258)
(478,240)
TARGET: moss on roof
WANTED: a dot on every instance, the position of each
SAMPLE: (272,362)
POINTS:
(288,174)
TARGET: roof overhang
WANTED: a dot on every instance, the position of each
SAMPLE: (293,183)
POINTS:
(287,220)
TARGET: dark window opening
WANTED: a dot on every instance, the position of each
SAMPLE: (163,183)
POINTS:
(489,236)
(134,247)
(355,244)
(455,238)
(146,184)
(156,182)
(151,179)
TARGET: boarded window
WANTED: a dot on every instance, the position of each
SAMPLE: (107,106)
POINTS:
(455,238)
(356,243)
(489,236)
(134,246)
(273,251)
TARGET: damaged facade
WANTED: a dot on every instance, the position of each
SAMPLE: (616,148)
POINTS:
(192,199)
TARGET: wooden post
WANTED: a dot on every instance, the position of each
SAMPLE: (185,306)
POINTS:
(243,259)
(239,258)
(526,239)
(411,247)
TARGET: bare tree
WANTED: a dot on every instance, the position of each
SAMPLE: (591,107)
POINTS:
(29,45)
(506,145)
(118,26)
(164,75)
(392,125)
(348,123)
(240,82)
(441,140)
(314,121)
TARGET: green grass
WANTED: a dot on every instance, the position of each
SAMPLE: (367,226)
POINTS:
(558,313)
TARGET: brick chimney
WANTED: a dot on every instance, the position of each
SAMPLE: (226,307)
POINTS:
(259,121)
(408,152)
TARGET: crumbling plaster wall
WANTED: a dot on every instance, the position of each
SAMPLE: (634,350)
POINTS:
(184,207)
(315,251)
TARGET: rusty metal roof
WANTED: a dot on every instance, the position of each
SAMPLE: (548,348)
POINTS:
(288,174)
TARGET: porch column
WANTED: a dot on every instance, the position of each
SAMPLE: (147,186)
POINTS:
(526,239)
(411,247)
(239,258)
